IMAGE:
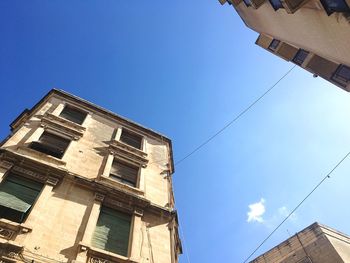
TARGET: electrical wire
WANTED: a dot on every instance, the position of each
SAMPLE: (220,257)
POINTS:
(300,203)
(205,142)
(234,119)
(183,237)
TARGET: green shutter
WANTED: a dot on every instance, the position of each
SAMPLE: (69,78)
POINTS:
(112,231)
(18,193)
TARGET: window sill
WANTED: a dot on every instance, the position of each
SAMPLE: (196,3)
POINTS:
(100,255)
(120,185)
(33,154)
(9,229)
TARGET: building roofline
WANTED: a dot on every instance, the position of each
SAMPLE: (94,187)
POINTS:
(97,108)
(311,227)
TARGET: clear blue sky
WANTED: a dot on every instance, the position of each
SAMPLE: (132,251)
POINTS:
(186,68)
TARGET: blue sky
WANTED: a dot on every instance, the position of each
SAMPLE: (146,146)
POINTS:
(186,68)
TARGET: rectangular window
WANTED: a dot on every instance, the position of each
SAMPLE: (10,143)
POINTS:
(131,139)
(300,56)
(342,75)
(124,173)
(274,45)
(73,115)
(247,2)
(17,196)
(276,4)
(112,231)
(51,144)
(332,6)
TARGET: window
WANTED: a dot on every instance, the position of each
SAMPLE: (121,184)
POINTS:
(73,115)
(112,231)
(274,44)
(300,56)
(131,139)
(124,173)
(276,4)
(51,144)
(247,2)
(342,75)
(332,6)
(17,196)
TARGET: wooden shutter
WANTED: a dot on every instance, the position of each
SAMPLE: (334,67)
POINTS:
(112,231)
(287,51)
(322,67)
(73,115)
(131,139)
(264,41)
(124,173)
(17,195)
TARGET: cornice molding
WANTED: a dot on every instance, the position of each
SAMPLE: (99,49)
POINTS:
(113,196)
(131,154)
(62,126)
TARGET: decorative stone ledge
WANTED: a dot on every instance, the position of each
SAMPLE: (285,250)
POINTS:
(9,229)
(33,154)
(63,126)
(96,255)
(121,186)
(129,153)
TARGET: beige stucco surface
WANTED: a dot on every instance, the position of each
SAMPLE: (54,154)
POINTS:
(309,28)
(61,222)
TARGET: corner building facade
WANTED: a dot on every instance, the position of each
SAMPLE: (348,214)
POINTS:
(313,34)
(81,184)
(316,243)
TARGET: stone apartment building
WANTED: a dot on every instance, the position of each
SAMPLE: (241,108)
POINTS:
(315,244)
(313,34)
(79,183)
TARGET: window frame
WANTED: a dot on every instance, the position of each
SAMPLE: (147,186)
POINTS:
(120,179)
(272,46)
(129,132)
(298,61)
(330,11)
(276,7)
(339,78)
(69,106)
(35,145)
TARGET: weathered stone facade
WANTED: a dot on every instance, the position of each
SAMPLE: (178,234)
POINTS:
(60,224)
(315,244)
(306,25)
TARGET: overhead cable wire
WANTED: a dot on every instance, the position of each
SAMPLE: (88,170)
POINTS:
(300,203)
(187,252)
(234,119)
(205,142)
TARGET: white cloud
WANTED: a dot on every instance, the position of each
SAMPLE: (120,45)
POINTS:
(256,211)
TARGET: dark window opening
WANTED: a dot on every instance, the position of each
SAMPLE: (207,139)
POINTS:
(17,196)
(300,56)
(112,231)
(73,115)
(274,44)
(248,2)
(332,6)
(342,75)
(276,4)
(51,144)
(131,139)
(124,173)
